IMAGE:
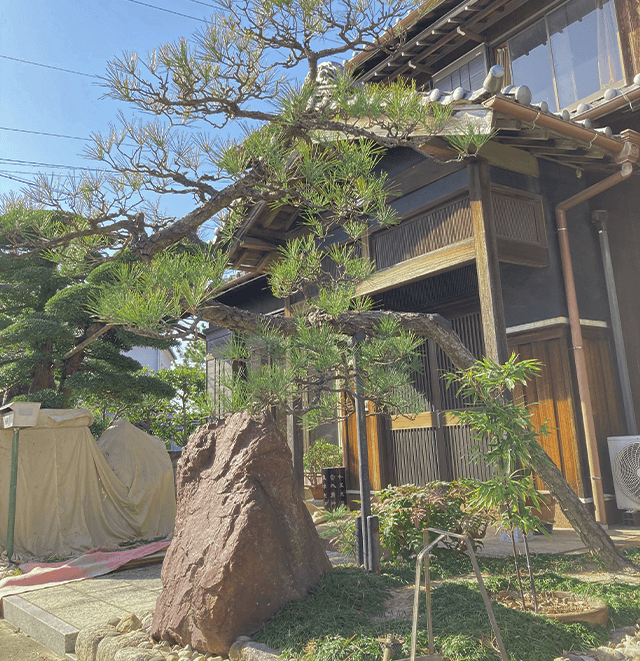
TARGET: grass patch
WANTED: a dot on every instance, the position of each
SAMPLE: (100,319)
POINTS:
(335,622)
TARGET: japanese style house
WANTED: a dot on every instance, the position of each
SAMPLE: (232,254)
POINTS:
(532,247)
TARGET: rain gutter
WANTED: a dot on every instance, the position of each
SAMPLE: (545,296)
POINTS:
(625,156)
(601,220)
(550,122)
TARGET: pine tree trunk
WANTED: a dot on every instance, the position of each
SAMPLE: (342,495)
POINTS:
(42,375)
(14,391)
(589,530)
(70,367)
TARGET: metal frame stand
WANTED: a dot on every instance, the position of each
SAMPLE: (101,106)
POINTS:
(442,534)
(368,527)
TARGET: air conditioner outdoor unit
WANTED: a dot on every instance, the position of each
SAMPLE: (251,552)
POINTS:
(624,452)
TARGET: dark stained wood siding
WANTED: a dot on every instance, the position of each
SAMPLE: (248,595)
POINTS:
(605,396)
(487,265)
(551,400)
(623,205)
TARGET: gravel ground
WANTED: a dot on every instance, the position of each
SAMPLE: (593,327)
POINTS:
(17,646)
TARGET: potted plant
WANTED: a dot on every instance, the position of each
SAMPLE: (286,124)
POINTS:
(321,454)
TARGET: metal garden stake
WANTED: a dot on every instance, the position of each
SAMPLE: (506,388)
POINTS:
(16,416)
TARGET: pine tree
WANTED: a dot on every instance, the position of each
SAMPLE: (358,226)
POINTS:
(44,319)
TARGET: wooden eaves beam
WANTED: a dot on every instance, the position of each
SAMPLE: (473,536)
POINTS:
(415,42)
(490,13)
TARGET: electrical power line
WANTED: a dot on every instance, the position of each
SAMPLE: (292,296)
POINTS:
(18,162)
(31,174)
(53,135)
(206,4)
(20,181)
(169,11)
(48,66)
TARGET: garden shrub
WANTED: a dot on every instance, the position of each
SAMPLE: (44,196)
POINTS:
(407,511)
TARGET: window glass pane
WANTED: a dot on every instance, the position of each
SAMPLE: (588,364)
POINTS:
(477,72)
(585,49)
(469,76)
(531,63)
(465,82)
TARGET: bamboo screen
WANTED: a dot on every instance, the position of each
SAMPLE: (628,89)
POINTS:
(425,233)
(413,453)
(413,456)
(516,217)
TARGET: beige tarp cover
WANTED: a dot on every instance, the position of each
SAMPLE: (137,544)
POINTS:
(75,494)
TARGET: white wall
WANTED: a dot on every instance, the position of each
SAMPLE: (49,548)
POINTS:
(154,359)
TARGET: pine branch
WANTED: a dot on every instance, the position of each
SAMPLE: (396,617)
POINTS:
(432,326)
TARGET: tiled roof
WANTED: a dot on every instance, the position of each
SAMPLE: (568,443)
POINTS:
(584,113)
(571,136)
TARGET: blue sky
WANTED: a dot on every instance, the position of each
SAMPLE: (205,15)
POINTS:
(81,36)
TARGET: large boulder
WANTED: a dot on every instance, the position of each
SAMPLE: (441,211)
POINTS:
(244,542)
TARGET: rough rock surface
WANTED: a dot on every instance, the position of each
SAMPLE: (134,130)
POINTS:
(244,542)
(108,647)
(88,640)
(135,654)
(243,650)
(128,623)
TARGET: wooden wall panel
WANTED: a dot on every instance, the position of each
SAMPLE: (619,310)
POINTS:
(550,398)
(376,430)
(350,452)
(567,426)
(605,398)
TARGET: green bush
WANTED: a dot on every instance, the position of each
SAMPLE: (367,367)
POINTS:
(406,511)
(321,454)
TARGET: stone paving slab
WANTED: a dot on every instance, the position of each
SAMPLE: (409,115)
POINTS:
(563,540)
(16,646)
(94,600)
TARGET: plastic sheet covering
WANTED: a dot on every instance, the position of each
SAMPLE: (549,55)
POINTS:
(73,497)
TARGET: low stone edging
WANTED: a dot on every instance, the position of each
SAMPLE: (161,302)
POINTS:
(128,639)
(246,650)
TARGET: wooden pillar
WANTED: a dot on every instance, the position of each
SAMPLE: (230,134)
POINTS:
(444,473)
(487,265)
